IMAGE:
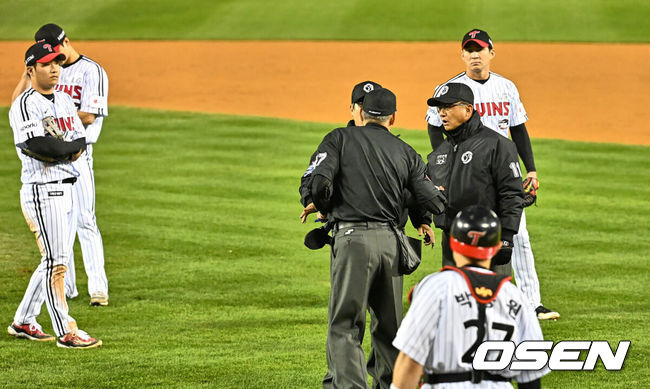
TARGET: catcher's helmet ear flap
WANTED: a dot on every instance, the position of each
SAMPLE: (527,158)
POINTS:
(476,233)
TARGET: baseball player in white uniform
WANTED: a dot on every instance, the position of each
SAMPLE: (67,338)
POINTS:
(497,100)
(86,82)
(457,309)
(48,136)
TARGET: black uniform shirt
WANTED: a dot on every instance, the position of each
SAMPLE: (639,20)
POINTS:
(417,214)
(478,166)
(369,168)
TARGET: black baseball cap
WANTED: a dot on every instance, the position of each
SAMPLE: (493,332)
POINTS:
(362,89)
(479,36)
(380,102)
(451,93)
(42,52)
(52,33)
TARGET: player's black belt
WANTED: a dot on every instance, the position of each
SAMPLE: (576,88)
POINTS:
(341,225)
(474,376)
(69,180)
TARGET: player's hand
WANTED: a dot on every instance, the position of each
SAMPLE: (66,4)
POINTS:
(429,237)
(504,255)
(75,156)
(310,208)
(532,174)
(321,216)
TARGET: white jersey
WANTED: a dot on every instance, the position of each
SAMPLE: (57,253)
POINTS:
(497,101)
(26,115)
(441,327)
(86,82)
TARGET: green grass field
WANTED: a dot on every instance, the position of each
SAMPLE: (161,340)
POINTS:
(506,20)
(210,283)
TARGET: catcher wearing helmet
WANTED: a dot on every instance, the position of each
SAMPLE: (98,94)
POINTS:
(455,310)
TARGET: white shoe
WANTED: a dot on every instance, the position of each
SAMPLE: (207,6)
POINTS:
(98,298)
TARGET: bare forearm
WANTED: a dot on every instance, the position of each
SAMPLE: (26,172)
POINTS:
(407,372)
(86,118)
(23,84)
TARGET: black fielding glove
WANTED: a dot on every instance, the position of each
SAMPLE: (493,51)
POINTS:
(504,255)
(317,238)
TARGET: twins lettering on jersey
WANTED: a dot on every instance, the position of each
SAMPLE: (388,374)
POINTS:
(501,108)
(73,91)
(65,124)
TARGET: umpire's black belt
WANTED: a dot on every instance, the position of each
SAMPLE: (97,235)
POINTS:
(69,180)
(371,225)
(473,376)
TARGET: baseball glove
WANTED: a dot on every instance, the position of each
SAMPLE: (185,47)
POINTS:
(40,157)
(52,128)
(530,191)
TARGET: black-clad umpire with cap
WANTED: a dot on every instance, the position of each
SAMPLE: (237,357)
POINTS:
(474,166)
(359,183)
(420,218)
(359,92)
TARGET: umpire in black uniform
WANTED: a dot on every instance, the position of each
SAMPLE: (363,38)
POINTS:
(359,183)
(474,166)
(420,218)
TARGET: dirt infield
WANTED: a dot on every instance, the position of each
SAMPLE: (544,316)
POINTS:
(588,92)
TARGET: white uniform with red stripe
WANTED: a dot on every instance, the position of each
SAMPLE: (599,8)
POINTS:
(497,101)
(47,204)
(440,327)
(86,82)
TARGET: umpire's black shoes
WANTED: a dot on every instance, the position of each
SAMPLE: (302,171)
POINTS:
(544,313)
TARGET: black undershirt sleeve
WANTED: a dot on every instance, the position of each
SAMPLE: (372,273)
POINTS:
(520,136)
(435,135)
(55,148)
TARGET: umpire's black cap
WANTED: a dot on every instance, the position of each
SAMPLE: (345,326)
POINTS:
(451,93)
(476,233)
(362,89)
(42,52)
(479,36)
(380,102)
(52,33)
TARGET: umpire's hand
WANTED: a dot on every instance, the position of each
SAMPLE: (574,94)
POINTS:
(310,208)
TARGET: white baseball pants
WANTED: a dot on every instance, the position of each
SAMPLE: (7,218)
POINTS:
(90,239)
(48,211)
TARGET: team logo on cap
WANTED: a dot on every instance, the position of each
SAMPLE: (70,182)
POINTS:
(466,157)
(475,235)
(473,34)
(368,88)
(443,90)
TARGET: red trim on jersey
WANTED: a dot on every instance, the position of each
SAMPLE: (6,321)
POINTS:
(476,252)
(471,288)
